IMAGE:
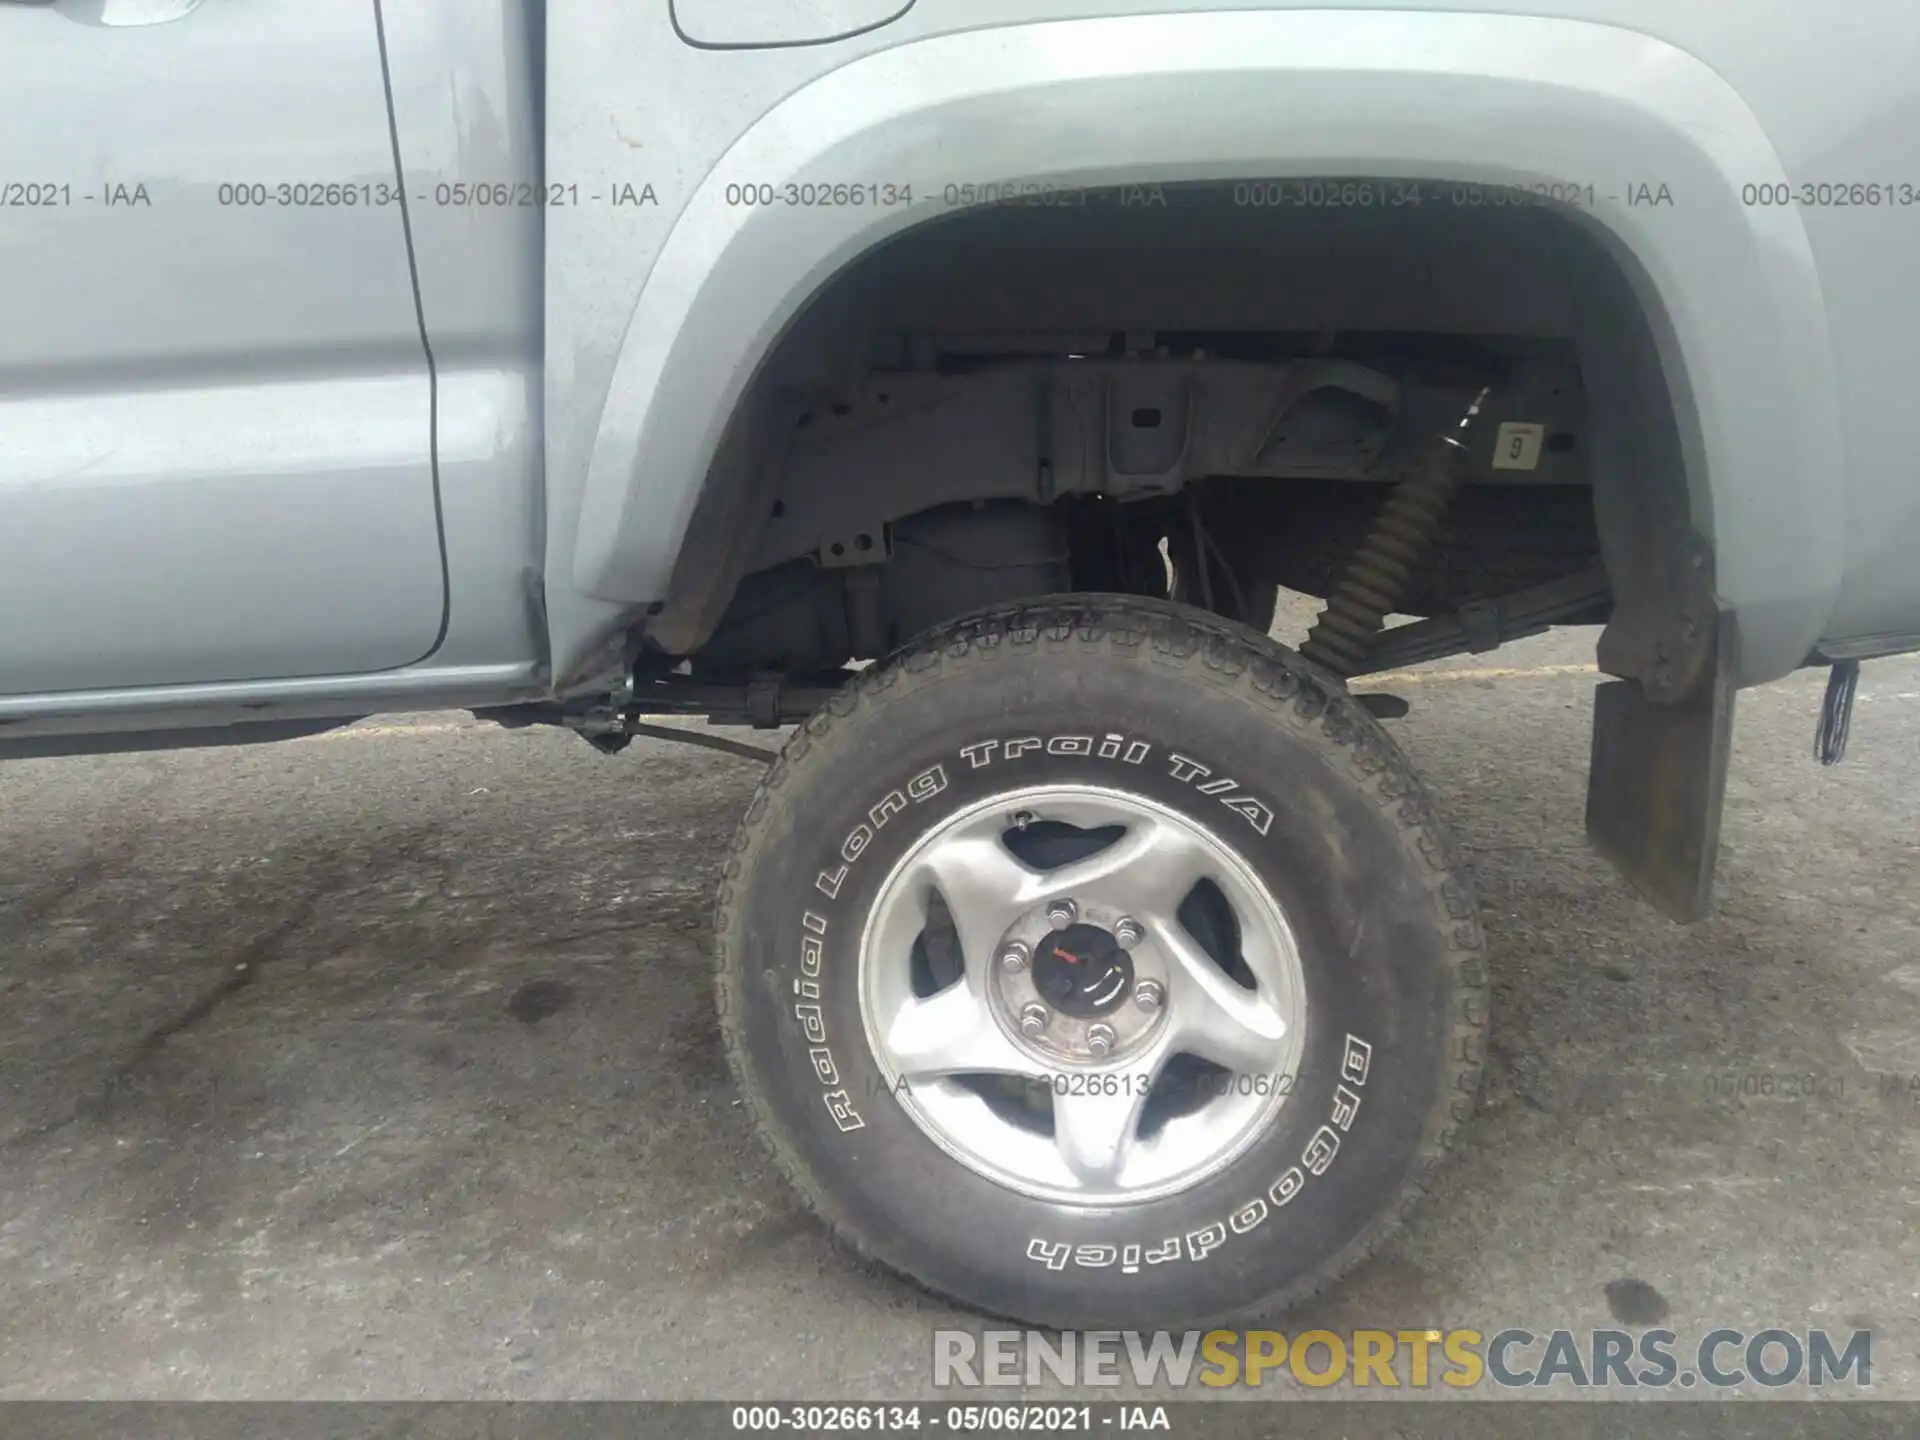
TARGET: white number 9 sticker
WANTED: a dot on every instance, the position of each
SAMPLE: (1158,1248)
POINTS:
(1517,446)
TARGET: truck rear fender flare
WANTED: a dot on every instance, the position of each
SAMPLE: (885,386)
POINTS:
(1730,291)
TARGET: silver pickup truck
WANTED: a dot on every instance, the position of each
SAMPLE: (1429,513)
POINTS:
(958,382)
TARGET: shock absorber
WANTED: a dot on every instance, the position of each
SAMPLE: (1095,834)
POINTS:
(1376,579)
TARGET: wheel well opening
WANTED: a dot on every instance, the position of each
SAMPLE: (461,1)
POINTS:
(1207,390)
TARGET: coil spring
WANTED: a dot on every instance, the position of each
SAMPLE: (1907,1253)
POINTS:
(1376,579)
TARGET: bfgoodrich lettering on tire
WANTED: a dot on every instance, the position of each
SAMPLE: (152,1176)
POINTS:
(1096,962)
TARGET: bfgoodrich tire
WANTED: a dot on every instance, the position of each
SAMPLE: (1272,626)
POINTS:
(1300,1032)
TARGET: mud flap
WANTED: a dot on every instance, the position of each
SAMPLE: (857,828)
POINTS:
(1655,790)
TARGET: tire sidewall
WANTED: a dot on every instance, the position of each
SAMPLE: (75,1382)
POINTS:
(1335,853)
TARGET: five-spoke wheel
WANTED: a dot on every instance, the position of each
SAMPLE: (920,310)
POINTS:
(1082,994)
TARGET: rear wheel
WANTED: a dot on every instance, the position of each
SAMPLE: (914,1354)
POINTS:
(1095,963)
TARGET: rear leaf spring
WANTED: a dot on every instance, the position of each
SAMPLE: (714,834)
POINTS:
(1377,577)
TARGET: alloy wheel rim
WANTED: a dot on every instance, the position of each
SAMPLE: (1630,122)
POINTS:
(1082,995)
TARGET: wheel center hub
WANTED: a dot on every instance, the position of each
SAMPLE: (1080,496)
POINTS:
(1082,971)
(1079,987)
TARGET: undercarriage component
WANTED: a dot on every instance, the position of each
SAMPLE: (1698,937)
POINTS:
(1050,419)
(765,703)
(635,729)
(1135,425)
(1202,561)
(1125,428)
(1115,549)
(805,616)
(1378,576)
(1483,625)
(1496,539)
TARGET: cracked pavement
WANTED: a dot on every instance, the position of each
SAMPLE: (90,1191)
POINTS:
(383,1064)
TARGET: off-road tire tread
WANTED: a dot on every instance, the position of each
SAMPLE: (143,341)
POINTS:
(1299,695)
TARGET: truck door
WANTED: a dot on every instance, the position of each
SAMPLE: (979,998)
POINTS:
(756,24)
(215,408)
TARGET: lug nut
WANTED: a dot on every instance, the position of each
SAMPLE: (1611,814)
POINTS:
(1060,913)
(1033,1020)
(1127,933)
(1013,959)
(1148,995)
(1100,1039)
